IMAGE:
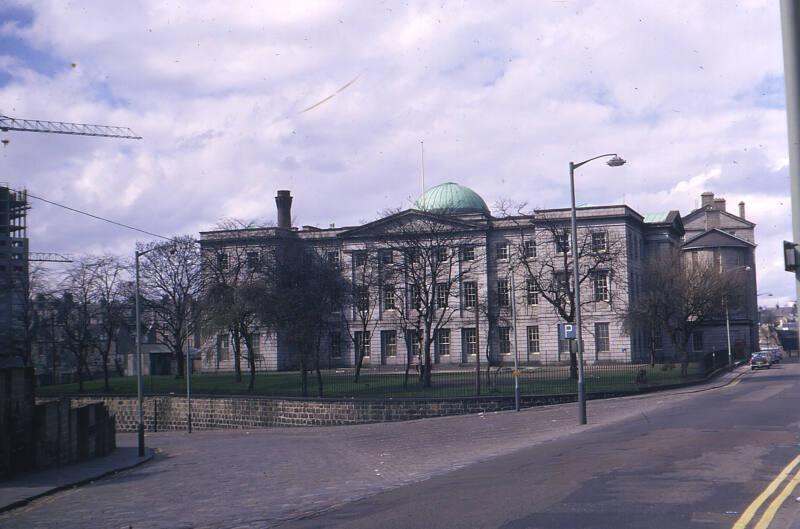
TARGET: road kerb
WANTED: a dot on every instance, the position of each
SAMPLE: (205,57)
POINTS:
(751,510)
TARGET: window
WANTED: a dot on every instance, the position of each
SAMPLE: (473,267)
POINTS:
(412,255)
(333,258)
(443,342)
(529,248)
(468,253)
(223,348)
(470,294)
(414,344)
(600,283)
(441,254)
(601,340)
(697,341)
(388,343)
(255,343)
(16,257)
(562,241)
(360,258)
(387,256)
(470,340)
(501,250)
(504,335)
(336,344)
(599,242)
(416,297)
(561,279)
(222,260)
(502,293)
(362,299)
(253,260)
(531,294)
(658,342)
(388,297)
(363,342)
(533,339)
(442,293)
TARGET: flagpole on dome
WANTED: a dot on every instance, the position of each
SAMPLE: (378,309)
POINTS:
(422,157)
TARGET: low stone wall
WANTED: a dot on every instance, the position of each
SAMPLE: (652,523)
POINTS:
(163,413)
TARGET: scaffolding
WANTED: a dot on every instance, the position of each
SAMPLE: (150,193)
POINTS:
(13,212)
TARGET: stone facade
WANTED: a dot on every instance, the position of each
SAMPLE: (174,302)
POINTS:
(533,330)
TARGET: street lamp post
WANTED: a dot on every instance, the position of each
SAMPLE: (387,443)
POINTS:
(615,161)
(139,386)
(140,428)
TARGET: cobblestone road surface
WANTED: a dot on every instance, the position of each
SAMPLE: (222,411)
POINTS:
(259,478)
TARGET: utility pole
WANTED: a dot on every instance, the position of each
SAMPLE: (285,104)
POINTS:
(790,26)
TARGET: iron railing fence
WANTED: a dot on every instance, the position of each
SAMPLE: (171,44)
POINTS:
(385,383)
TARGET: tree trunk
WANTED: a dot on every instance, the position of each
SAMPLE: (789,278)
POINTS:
(304,376)
(319,376)
(359,360)
(251,357)
(684,360)
(408,363)
(106,387)
(237,354)
(573,360)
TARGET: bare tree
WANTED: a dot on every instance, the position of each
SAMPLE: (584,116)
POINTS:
(111,292)
(427,261)
(76,313)
(679,296)
(544,254)
(302,290)
(171,280)
(363,299)
(232,284)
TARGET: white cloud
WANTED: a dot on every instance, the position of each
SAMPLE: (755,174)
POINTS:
(503,96)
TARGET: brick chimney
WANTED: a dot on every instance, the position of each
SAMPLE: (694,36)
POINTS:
(284,203)
(719,204)
(741,209)
(706,199)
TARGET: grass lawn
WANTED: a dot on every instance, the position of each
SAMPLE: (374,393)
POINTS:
(546,380)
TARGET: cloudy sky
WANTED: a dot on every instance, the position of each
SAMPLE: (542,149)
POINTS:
(503,95)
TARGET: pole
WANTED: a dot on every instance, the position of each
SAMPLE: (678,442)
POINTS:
(728,330)
(577,289)
(516,349)
(188,388)
(140,429)
(790,26)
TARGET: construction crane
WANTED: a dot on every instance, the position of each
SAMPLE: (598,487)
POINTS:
(49,257)
(8,124)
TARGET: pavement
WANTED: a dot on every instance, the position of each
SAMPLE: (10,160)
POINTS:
(267,477)
(21,490)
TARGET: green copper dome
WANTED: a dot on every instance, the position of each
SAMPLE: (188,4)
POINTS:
(451,199)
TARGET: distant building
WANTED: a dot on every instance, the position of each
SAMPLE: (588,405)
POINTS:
(728,239)
(491,241)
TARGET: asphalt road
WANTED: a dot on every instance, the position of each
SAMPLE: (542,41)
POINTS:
(698,463)
(685,458)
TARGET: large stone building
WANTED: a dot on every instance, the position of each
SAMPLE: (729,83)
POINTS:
(492,306)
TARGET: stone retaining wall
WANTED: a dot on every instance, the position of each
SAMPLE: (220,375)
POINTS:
(169,412)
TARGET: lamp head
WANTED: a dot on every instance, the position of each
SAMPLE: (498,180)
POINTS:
(616,161)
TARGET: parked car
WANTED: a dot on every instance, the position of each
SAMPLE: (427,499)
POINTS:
(760,360)
(774,354)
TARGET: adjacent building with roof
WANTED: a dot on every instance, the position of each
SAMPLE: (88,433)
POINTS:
(495,309)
